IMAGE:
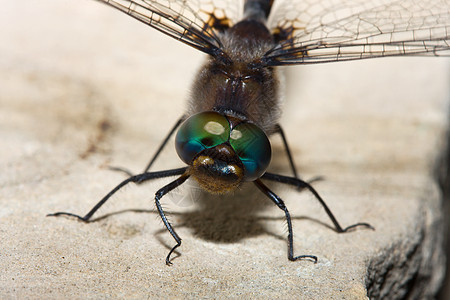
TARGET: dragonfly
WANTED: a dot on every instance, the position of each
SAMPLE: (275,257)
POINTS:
(223,138)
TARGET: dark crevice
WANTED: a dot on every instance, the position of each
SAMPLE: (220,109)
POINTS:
(389,265)
(383,275)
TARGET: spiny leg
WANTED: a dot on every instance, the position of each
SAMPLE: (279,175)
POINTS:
(280,131)
(159,194)
(303,184)
(136,179)
(155,156)
(164,143)
(277,200)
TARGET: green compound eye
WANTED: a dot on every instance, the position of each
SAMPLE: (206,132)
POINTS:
(253,148)
(201,131)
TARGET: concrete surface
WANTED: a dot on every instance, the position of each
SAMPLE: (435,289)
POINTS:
(83,87)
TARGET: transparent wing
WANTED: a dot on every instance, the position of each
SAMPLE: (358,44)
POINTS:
(315,31)
(194,22)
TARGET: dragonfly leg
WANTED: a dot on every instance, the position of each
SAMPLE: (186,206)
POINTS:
(303,184)
(280,131)
(136,179)
(159,194)
(155,156)
(277,200)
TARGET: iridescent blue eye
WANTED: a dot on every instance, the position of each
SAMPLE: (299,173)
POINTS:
(253,148)
(201,131)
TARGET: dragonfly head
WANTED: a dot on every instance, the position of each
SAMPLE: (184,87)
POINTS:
(222,153)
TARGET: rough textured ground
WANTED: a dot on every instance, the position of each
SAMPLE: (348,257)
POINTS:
(83,87)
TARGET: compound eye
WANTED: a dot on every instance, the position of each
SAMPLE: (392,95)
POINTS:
(201,131)
(253,148)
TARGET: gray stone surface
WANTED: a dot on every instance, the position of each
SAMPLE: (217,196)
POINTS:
(83,87)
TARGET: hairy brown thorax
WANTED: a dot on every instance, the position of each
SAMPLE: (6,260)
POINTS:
(240,85)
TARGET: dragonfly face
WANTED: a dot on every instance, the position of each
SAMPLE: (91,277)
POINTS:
(222,151)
